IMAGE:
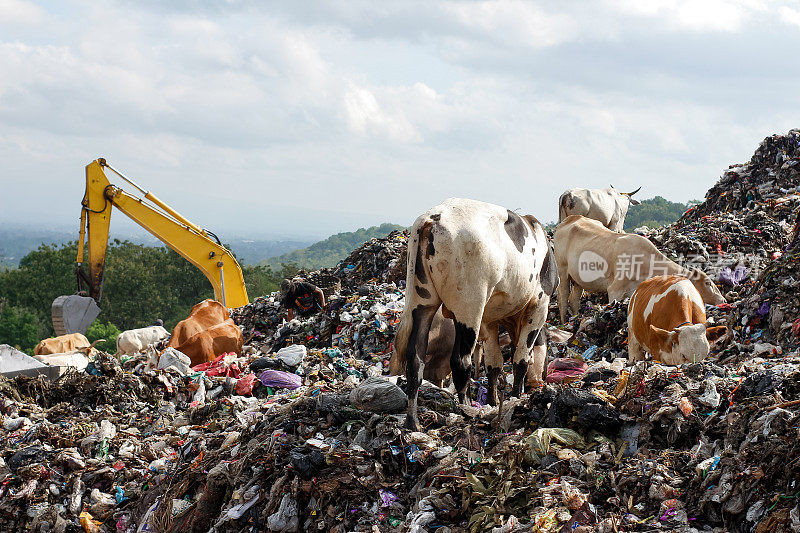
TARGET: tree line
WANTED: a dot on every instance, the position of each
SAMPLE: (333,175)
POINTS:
(655,212)
(142,284)
(329,252)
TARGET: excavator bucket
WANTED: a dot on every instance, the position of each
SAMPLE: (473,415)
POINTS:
(73,314)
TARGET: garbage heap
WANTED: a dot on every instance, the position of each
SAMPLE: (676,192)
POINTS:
(303,431)
(316,443)
(746,219)
(382,260)
(361,323)
(362,310)
(770,178)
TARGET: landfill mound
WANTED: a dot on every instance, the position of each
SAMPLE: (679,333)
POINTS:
(303,431)
(770,178)
(747,217)
(382,260)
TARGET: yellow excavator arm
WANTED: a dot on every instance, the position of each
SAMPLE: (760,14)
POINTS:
(189,240)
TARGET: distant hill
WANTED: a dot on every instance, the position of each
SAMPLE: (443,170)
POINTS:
(17,241)
(332,250)
(253,251)
(655,212)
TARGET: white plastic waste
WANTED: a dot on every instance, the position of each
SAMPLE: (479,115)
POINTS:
(292,355)
(175,359)
(285,518)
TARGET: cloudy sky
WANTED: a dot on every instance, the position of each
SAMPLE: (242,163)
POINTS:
(307,118)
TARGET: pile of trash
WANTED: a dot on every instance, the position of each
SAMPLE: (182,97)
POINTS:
(361,312)
(770,178)
(379,260)
(727,236)
(304,440)
(770,311)
(304,430)
(746,220)
(362,322)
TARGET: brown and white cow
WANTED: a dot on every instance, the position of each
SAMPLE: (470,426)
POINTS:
(593,258)
(607,206)
(667,318)
(482,264)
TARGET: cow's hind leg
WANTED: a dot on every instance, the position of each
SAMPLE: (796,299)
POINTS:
(539,356)
(529,337)
(494,362)
(563,295)
(421,317)
(575,298)
(461,358)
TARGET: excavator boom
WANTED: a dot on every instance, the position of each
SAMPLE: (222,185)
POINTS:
(189,240)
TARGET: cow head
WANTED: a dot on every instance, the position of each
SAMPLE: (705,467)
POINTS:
(630,196)
(685,344)
(706,287)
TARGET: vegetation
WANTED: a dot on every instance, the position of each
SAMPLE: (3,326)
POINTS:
(655,212)
(18,327)
(107,331)
(142,283)
(329,252)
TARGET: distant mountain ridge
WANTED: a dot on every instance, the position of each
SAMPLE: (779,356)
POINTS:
(16,242)
(329,252)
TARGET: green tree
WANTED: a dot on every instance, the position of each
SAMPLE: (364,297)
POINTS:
(107,331)
(654,212)
(142,283)
(18,328)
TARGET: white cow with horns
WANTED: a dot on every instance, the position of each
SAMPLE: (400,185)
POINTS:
(484,266)
(607,206)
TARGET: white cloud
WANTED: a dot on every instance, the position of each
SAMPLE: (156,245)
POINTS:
(365,116)
(14,12)
(790,15)
(706,15)
(361,112)
(514,22)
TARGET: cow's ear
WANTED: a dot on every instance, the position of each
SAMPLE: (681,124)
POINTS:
(548,276)
(661,336)
(634,202)
(715,333)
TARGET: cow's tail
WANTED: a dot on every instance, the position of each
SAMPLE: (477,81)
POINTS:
(418,283)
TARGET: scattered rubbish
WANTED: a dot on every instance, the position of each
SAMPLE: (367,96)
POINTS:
(299,428)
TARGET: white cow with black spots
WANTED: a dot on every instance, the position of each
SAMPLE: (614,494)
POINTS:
(484,266)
